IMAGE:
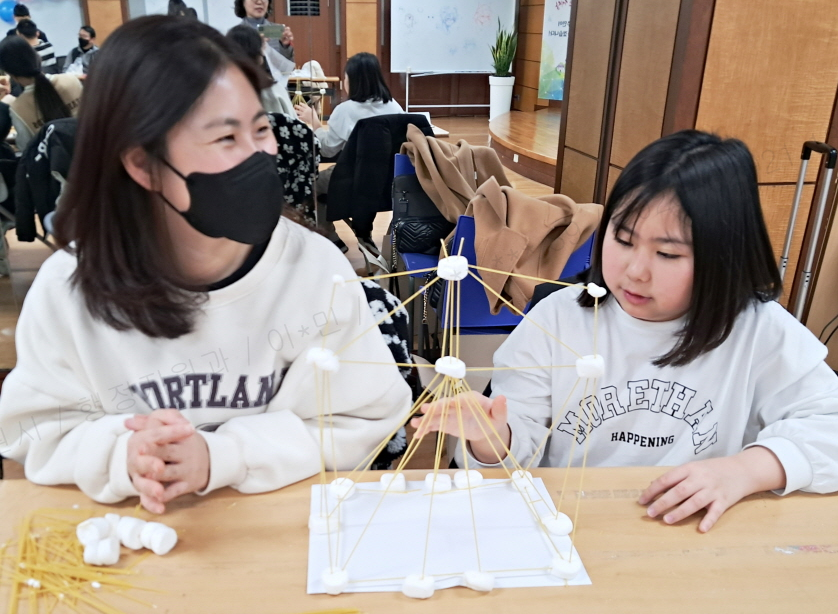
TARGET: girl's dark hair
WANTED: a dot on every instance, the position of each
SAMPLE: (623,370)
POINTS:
(238,8)
(148,76)
(715,182)
(365,79)
(19,59)
(248,39)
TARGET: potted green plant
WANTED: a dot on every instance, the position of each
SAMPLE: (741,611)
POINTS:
(502,80)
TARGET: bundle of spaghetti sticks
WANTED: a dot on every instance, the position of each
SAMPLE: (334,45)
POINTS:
(45,571)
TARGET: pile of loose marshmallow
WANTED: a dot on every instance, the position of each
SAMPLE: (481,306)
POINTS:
(101,537)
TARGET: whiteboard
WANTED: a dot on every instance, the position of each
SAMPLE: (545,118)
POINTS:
(446,35)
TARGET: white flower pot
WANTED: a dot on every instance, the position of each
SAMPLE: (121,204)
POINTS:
(500,95)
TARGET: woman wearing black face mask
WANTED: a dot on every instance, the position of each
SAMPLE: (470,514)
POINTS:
(172,330)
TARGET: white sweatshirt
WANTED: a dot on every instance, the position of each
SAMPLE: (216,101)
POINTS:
(767,383)
(343,120)
(241,377)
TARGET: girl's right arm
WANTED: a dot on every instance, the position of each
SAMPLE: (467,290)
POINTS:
(50,421)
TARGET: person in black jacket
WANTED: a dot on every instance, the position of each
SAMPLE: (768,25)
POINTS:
(21,12)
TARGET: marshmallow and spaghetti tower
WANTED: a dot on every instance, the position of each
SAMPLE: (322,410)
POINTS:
(448,383)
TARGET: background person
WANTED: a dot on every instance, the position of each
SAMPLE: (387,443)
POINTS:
(275,98)
(369,96)
(21,13)
(27,30)
(79,58)
(280,51)
(44,98)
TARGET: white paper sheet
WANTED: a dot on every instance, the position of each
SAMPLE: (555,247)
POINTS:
(512,545)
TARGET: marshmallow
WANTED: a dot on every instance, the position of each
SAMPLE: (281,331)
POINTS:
(96,585)
(33,583)
(558,525)
(103,552)
(595,290)
(113,520)
(479,581)
(566,568)
(521,478)
(128,530)
(453,367)
(323,358)
(339,280)
(158,538)
(441,482)
(335,581)
(471,479)
(92,531)
(453,268)
(393,482)
(322,524)
(418,587)
(342,488)
(590,366)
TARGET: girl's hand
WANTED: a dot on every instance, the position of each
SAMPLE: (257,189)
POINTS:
(305,113)
(475,411)
(715,484)
(166,458)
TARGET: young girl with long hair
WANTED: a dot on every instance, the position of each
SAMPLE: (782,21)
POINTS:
(702,368)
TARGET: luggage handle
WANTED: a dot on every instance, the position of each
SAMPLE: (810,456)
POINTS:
(830,155)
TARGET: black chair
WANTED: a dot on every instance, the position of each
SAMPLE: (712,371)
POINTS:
(362,179)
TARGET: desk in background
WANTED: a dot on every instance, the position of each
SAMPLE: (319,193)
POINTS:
(247,554)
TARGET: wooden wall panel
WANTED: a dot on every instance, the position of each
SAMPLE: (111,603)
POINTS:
(644,76)
(361,27)
(586,97)
(771,81)
(613,174)
(776,208)
(579,176)
(105,16)
(527,65)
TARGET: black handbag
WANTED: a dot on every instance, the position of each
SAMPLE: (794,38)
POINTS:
(417,226)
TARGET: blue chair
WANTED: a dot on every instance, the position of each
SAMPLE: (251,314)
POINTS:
(475,317)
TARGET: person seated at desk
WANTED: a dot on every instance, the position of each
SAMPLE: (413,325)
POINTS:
(21,13)
(180,295)
(29,32)
(78,59)
(43,98)
(702,367)
(280,51)
(369,96)
(275,97)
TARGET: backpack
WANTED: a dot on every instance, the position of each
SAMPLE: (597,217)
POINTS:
(42,175)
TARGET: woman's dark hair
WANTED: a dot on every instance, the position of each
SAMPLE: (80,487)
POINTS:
(248,39)
(148,76)
(715,182)
(365,79)
(238,8)
(19,59)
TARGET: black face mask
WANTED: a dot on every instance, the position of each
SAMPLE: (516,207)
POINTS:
(83,42)
(242,204)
